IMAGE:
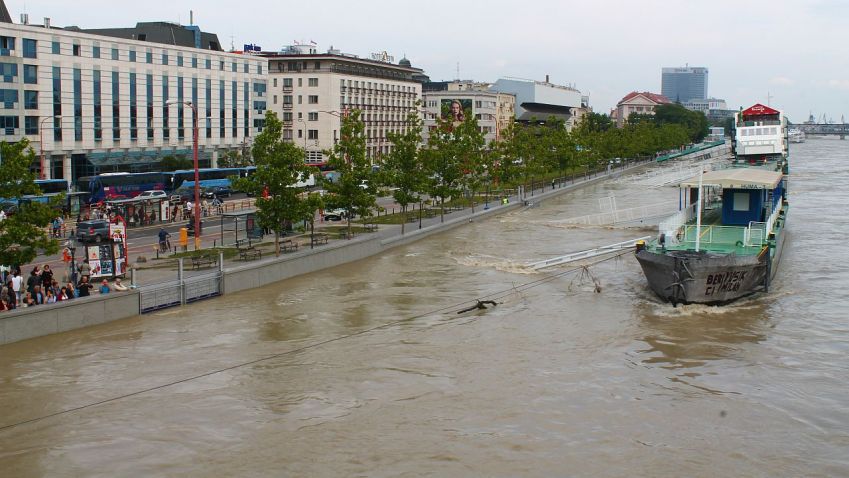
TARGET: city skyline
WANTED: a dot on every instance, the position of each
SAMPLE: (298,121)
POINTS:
(749,48)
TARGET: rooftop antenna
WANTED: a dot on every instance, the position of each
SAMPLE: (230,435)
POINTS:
(232,44)
(768,98)
(458,70)
(191,17)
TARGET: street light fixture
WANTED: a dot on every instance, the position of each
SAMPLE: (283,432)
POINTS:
(41,143)
(196,211)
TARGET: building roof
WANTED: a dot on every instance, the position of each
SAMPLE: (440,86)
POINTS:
(742,178)
(4,13)
(160,32)
(760,110)
(656,98)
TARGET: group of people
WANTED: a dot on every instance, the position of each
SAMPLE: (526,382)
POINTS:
(41,287)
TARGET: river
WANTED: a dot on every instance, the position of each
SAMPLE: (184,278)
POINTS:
(368,370)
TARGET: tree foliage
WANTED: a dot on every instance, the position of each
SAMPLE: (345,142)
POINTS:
(174,163)
(23,235)
(695,122)
(402,168)
(354,187)
(279,166)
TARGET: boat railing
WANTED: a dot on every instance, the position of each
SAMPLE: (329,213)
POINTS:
(671,226)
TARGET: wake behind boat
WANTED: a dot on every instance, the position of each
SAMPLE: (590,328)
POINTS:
(726,242)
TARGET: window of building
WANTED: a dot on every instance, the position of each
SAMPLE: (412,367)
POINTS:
(300,99)
(287,82)
(9,71)
(259,124)
(274,84)
(30,48)
(259,106)
(274,100)
(313,99)
(115,54)
(300,133)
(208,64)
(312,134)
(312,81)
(287,116)
(55,48)
(287,99)
(194,62)
(317,65)
(7,44)
(8,98)
(148,57)
(164,57)
(95,52)
(132,55)
(179,60)
(259,71)
(312,116)
(30,100)
(30,74)
(234,67)
(75,50)
(8,124)
(246,68)
(31,125)
(300,82)
(221,65)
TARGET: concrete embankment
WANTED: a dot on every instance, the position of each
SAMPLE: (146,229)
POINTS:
(38,321)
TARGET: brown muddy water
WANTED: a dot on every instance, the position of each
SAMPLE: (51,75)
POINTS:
(367,369)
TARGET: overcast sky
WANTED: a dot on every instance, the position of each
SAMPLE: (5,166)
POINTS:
(793,51)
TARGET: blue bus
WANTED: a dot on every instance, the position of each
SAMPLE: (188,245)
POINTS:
(108,186)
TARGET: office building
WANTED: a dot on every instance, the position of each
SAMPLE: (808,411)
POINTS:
(495,111)
(539,100)
(685,84)
(311,91)
(94,101)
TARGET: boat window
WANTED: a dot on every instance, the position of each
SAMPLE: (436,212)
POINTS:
(741,201)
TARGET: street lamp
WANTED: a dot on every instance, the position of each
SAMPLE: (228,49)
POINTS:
(196,211)
(41,142)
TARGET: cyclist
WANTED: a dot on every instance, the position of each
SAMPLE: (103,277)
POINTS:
(164,243)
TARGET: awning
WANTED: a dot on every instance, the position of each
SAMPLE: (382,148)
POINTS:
(744,178)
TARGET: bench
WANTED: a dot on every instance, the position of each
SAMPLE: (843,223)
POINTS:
(288,245)
(249,254)
(204,260)
(370,227)
(318,239)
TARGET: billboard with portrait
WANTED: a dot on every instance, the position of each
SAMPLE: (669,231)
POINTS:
(458,109)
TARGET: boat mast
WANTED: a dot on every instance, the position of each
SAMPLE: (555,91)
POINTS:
(699,212)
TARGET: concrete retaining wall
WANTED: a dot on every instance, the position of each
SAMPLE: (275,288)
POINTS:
(22,324)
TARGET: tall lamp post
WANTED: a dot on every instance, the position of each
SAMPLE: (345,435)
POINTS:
(196,211)
(41,143)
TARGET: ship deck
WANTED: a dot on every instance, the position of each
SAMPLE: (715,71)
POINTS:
(713,236)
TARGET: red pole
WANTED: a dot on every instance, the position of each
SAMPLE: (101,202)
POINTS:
(197,173)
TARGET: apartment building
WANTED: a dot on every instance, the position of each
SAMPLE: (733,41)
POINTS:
(311,91)
(94,101)
(642,103)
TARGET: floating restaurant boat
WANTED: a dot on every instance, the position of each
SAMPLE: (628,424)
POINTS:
(796,136)
(726,240)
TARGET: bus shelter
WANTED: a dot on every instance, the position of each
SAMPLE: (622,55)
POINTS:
(240,227)
(141,212)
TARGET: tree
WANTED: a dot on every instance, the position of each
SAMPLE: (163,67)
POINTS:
(402,168)
(443,162)
(173,163)
(695,121)
(354,188)
(236,158)
(23,234)
(279,166)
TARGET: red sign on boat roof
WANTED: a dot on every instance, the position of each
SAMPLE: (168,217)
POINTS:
(760,110)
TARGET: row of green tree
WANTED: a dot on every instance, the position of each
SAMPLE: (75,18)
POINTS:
(454,162)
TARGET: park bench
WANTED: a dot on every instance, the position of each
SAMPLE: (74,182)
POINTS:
(249,254)
(204,260)
(370,227)
(318,239)
(288,245)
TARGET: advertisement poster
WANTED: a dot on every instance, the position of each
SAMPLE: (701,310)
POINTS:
(120,260)
(456,109)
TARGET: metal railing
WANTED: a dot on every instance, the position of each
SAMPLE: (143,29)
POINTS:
(183,290)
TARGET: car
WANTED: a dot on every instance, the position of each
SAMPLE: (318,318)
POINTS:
(218,192)
(95,230)
(152,194)
(8,208)
(335,215)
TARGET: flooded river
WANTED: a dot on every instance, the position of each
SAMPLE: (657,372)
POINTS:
(368,370)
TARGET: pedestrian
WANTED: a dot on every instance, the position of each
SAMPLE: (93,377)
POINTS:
(85,269)
(71,291)
(37,295)
(33,279)
(62,295)
(46,277)
(118,285)
(28,301)
(17,282)
(84,287)
(104,287)
(51,298)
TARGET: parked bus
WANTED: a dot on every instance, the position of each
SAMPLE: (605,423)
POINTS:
(128,185)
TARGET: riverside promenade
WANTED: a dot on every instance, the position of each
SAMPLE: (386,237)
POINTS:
(168,283)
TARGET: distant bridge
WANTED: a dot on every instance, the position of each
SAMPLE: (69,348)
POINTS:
(823,129)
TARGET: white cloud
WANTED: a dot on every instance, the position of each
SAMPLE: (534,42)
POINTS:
(838,84)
